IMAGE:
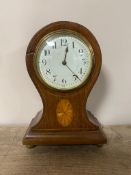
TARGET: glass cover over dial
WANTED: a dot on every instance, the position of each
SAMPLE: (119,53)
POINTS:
(64,59)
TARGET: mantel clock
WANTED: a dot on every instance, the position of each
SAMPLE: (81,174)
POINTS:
(64,60)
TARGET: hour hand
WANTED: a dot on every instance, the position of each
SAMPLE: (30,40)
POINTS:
(64,61)
(66,50)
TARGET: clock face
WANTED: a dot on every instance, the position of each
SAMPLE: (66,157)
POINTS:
(64,60)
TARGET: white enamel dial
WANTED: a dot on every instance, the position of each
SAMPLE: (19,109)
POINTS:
(64,60)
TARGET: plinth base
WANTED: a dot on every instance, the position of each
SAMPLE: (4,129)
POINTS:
(66,137)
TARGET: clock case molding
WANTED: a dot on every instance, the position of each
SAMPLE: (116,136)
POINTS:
(44,129)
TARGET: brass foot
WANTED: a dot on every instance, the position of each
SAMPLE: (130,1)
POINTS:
(99,145)
(30,146)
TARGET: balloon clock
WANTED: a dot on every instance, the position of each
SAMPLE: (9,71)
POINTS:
(64,60)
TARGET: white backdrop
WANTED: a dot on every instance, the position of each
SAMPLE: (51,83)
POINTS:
(109,21)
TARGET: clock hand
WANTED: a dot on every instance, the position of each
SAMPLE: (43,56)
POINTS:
(65,64)
(64,61)
(72,72)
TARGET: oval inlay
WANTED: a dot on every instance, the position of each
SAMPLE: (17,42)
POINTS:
(64,112)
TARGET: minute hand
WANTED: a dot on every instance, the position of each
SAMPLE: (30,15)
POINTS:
(72,72)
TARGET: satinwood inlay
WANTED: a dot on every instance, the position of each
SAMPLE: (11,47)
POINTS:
(64,112)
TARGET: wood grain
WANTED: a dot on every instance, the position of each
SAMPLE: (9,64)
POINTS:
(78,119)
(113,158)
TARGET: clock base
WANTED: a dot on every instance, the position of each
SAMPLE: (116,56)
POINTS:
(65,137)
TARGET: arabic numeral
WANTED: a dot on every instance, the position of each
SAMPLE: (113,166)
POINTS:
(46,52)
(84,61)
(54,77)
(54,46)
(48,71)
(81,51)
(63,42)
(44,62)
(73,44)
(64,81)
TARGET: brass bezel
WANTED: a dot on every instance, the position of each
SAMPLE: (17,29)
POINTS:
(63,32)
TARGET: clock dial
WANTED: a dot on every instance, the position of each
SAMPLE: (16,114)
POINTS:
(64,60)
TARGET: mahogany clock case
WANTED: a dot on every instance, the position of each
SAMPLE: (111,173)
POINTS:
(45,128)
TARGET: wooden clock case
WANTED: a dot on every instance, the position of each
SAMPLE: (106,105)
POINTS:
(45,129)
